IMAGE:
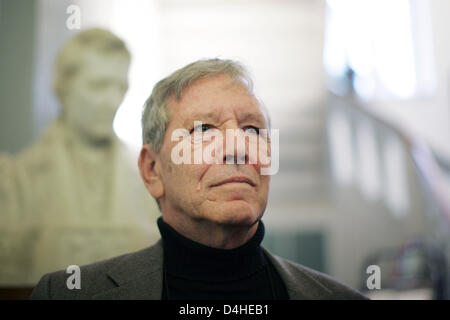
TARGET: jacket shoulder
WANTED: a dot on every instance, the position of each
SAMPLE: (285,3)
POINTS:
(94,278)
(305,283)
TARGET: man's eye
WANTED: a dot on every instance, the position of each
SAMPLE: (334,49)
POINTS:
(251,129)
(202,128)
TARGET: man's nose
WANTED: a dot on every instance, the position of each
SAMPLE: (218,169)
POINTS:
(235,147)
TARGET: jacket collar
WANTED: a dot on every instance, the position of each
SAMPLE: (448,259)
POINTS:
(299,284)
(139,276)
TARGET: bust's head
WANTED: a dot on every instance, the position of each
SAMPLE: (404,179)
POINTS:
(91,79)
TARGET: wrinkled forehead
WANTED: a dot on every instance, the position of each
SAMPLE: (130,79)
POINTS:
(209,98)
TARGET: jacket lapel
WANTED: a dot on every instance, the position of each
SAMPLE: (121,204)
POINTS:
(298,283)
(138,276)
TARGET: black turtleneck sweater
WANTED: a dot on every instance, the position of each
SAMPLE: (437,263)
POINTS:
(195,271)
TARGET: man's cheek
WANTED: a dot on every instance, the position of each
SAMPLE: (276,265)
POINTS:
(264,186)
(171,167)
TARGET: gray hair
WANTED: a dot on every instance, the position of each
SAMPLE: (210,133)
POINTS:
(155,117)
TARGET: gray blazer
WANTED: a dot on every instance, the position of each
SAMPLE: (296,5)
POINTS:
(139,275)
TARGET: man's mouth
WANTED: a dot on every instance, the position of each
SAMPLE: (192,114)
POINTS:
(239,179)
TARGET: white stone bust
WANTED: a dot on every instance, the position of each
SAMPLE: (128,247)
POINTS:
(75,197)
(91,80)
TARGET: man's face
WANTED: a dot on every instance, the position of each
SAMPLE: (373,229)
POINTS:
(195,189)
(94,94)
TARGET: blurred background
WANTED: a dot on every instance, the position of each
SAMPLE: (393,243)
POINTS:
(359,89)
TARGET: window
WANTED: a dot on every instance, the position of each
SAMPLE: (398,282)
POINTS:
(386,45)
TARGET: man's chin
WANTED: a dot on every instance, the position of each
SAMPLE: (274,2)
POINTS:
(237,213)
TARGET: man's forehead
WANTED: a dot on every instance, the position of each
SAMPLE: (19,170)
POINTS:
(218,113)
(215,99)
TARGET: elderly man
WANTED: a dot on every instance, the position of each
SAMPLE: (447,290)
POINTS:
(211,224)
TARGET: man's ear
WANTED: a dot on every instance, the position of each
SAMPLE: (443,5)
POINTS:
(149,168)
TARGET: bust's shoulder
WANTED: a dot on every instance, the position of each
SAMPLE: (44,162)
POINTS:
(41,150)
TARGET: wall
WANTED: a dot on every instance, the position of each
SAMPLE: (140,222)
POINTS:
(16,37)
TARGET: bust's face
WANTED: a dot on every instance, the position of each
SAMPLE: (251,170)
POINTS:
(197,190)
(94,94)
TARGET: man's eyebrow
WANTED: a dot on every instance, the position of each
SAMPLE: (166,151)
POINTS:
(203,116)
(214,117)
(253,116)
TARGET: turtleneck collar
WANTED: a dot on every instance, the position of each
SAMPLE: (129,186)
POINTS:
(192,260)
